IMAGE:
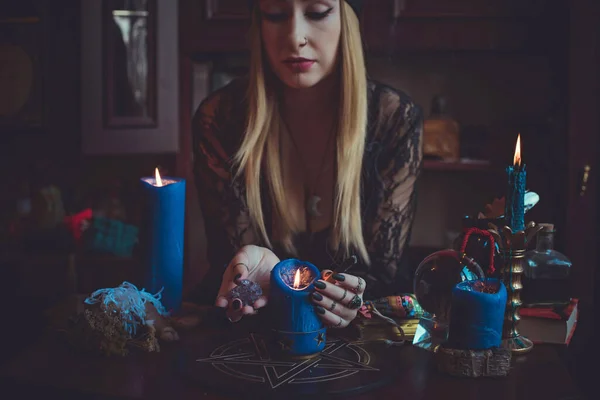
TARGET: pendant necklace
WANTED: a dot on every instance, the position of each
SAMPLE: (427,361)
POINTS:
(312,199)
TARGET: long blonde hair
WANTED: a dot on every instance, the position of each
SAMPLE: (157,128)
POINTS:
(261,141)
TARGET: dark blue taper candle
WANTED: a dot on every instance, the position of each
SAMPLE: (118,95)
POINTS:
(477,314)
(514,210)
(162,239)
(298,329)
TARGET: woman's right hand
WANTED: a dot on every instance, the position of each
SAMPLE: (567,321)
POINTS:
(253,263)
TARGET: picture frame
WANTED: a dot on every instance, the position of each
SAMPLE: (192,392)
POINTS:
(129,63)
(21,74)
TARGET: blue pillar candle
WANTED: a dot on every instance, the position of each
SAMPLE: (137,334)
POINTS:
(515,195)
(477,314)
(162,238)
(297,327)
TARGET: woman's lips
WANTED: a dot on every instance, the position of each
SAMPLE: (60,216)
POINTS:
(299,64)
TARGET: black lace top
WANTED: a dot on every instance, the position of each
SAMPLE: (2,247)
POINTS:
(391,165)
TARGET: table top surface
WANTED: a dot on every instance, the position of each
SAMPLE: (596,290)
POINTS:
(540,374)
(50,364)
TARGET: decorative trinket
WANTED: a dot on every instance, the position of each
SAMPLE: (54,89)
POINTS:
(247,291)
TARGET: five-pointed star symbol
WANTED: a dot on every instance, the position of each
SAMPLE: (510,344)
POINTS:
(320,338)
(273,369)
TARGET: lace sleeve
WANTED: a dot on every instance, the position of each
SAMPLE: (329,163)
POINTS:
(222,199)
(398,166)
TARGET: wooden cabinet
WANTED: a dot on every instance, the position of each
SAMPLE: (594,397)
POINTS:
(466,8)
(225,10)
(390,26)
(129,83)
(581,150)
(213,26)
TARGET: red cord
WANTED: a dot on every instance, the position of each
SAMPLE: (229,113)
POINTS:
(485,233)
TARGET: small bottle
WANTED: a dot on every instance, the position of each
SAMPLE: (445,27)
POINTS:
(441,133)
(546,272)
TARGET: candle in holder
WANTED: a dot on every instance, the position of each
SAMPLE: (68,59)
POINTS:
(515,196)
(298,329)
(477,314)
(162,238)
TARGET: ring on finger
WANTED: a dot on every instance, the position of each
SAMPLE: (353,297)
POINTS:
(359,286)
(333,304)
(355,303)
(344,295)
(244,264)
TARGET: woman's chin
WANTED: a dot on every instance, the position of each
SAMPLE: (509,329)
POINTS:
(301,80)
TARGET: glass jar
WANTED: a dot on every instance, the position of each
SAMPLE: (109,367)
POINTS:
(435,278)
(546,272)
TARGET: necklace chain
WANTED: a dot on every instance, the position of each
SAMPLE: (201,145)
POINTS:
(304,164)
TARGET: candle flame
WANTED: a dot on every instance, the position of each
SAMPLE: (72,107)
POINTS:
(297,279)
(517,156)
(158,180)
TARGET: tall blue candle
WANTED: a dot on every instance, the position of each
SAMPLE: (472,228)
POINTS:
(298,329)
(515,195)
(162,238)
(477,314)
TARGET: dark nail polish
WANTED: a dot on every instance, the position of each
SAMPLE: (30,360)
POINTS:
(317,296)
(320,310)
(237,304)
(238,276)
(339,277)
(320,285)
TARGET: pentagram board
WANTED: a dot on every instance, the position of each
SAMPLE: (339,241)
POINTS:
(251,364)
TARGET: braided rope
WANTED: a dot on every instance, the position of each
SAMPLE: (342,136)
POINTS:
(477,231)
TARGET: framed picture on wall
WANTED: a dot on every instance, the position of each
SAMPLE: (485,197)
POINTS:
(21,84)
(129,45)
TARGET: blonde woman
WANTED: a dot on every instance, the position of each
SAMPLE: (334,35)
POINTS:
(306,158)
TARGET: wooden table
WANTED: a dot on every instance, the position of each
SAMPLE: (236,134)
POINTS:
(48,367)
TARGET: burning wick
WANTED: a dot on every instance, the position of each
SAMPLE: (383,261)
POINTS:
(297,279)
(517,156)
(157,177)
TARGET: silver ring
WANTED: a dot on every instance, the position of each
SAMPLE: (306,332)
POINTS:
(344,295)
(333,304)
(355,303)
(359,286)
(247,269)
(305,41)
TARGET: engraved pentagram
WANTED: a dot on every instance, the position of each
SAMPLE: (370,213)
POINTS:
(235,358)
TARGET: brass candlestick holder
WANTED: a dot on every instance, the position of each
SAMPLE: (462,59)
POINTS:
(513,246)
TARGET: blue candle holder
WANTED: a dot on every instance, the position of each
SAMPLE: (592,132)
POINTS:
(477,315)
(162,239)
(297,328)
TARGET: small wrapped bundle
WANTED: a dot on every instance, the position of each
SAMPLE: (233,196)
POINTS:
(404,306)
(474,363)
(117,319)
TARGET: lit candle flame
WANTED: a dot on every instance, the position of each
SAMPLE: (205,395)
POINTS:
(297,279)
(517,156)
(158,180)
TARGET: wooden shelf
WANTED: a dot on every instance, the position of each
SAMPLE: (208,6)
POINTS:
(461,165)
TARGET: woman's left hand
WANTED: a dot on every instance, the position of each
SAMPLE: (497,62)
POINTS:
(338,303)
